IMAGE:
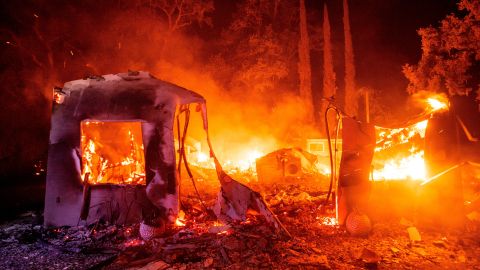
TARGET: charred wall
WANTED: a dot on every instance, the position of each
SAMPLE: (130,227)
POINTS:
(123,97)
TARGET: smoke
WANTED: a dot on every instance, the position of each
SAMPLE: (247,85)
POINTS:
(61,42)
(240,121)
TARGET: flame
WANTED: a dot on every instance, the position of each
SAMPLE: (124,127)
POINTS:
(112,153)
(410,167)
(202,157)
(180,221)
(243,161)
(399,153)
(246,161)
(437,103)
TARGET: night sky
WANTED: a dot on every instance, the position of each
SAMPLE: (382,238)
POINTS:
(384,34)
(385,37)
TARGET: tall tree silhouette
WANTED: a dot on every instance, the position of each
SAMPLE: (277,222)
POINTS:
(351,95)
(304,69)
(329,77)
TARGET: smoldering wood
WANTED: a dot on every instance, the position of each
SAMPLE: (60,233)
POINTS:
(133,96)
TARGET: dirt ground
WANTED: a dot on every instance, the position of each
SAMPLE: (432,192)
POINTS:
(204,243)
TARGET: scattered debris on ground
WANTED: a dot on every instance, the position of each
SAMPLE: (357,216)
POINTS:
(201,242)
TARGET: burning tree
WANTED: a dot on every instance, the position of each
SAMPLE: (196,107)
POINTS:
(450,54)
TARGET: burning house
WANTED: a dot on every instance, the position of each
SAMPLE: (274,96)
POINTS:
(111,153)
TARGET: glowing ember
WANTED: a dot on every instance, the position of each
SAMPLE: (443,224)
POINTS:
(226,232)
(180,221)
(327,221)
(112,152)
(134,243)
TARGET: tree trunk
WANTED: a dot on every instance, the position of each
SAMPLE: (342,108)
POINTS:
(351,103)
(304,70)
(329,87)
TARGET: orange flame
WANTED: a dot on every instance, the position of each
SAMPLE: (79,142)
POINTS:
(107,158)
(437,103)
(403,164)
(399,153)
(242,161)
(180,221)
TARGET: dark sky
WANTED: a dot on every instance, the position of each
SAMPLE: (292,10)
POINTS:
(384,33)
(385,37)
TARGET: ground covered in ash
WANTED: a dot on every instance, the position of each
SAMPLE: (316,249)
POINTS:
(204,243)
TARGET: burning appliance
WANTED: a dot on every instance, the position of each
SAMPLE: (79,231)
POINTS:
(112,136)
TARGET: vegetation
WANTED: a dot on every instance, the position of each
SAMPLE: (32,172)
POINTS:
(450,61)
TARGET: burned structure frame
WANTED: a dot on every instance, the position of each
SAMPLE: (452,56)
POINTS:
(132,96)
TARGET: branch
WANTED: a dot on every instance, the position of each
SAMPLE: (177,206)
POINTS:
(179,16)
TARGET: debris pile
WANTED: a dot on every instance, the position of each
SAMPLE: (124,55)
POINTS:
(199,241)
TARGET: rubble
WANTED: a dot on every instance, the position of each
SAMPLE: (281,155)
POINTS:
(204,243)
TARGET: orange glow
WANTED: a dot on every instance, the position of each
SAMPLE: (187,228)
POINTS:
(180,221)
(241,161)
(202,157)
(246,160)
(134,243)
(437,103)
(327,221)
(399,153)
(409,167)
(112,152)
